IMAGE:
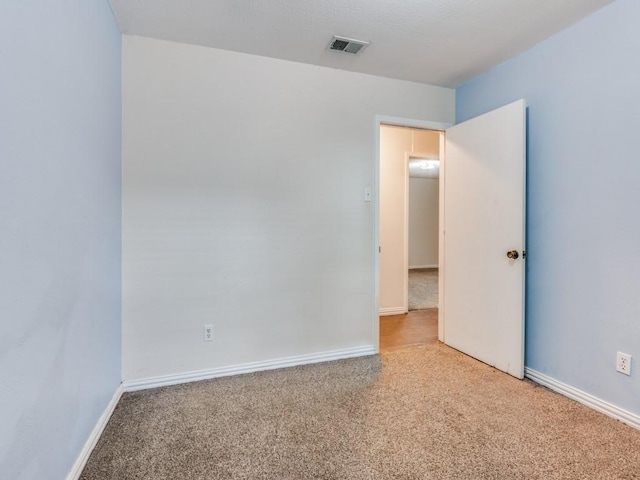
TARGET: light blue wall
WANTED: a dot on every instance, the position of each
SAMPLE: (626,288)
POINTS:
(60,191)
(582,87)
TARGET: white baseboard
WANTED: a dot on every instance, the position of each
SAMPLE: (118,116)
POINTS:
(90,444)
(413,267)
(392,311)
(166,380)
(584,398)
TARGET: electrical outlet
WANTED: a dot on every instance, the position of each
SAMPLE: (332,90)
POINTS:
(623,363)
(208,333)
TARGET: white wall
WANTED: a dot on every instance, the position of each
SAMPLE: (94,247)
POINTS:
(395,143)
(423,222)
(60,204)
(426,143)
(243,204)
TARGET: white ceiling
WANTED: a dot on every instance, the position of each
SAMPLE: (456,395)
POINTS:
(439,42)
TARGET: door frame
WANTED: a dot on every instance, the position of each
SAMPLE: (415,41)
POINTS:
(411,123)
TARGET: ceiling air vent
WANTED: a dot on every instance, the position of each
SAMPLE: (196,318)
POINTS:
(348,45)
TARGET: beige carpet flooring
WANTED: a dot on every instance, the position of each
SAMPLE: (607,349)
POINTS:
(423,288)
(419,413)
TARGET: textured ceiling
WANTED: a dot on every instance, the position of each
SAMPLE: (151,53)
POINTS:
(440,42)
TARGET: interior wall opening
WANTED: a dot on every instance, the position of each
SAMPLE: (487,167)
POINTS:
(409,235)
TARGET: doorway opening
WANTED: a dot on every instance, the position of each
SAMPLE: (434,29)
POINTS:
(423,227)
(409,232)
(480,264)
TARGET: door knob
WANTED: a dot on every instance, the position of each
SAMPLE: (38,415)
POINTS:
(513,254)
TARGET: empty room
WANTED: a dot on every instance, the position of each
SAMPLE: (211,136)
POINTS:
(213,267)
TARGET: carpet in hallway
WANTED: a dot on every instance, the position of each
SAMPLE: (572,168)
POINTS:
(420,413)
(423,288)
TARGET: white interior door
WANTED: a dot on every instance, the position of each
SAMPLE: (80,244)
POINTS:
(484,220)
